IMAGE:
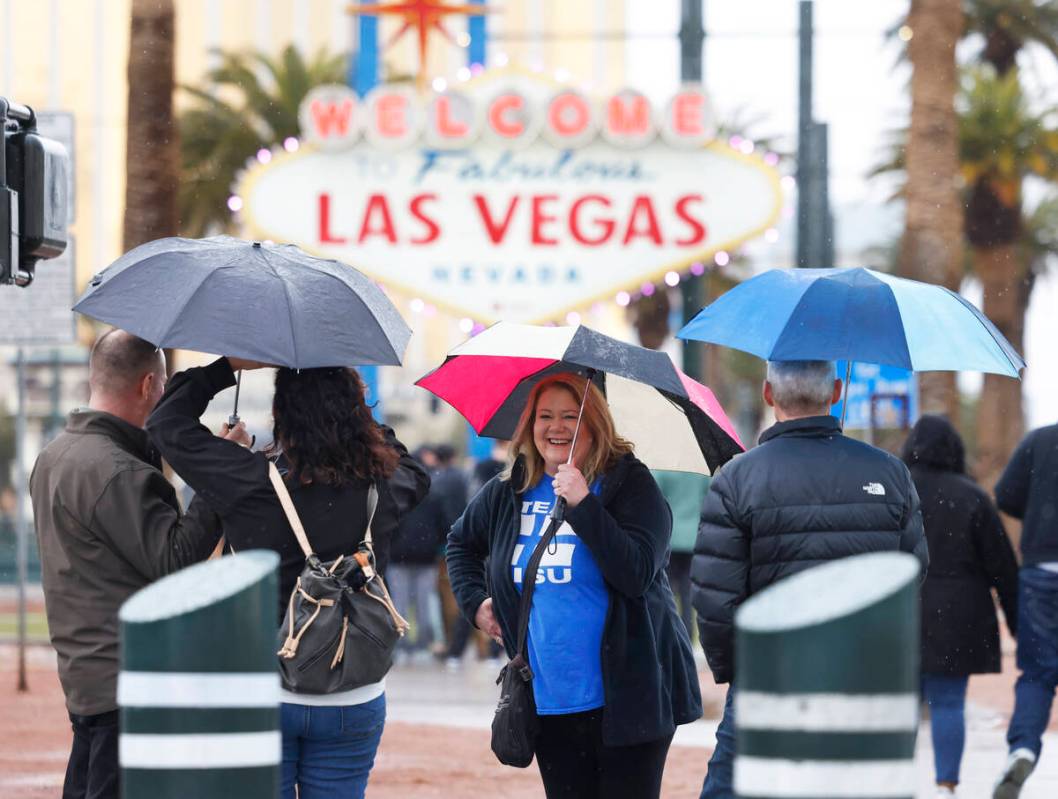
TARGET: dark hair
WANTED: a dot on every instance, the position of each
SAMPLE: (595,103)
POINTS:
(324,426)
(119,360)
(934,442)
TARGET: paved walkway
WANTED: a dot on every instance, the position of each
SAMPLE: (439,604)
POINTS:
(425,693)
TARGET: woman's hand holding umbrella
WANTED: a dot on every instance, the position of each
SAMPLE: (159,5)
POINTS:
(570,484)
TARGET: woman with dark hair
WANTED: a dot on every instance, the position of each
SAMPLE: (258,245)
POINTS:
(329,451)
(969,555)
(613,672)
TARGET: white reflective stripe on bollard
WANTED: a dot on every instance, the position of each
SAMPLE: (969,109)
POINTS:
(799,779)
(194,751)
(192,689)
(827,712)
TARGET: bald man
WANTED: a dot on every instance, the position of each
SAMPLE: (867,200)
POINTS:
(108,523)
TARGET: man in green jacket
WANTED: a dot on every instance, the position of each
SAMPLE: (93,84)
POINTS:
(108,523)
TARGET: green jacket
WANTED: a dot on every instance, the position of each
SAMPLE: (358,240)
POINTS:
(685,493)
(108,524)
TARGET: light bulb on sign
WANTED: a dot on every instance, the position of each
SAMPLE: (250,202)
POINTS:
(697,269)
(417,305)
(562,75)
(235,203)
(477,328)
(722,258)
(771,235)
(290,144)
(623,298)
(439,84)
(501,59)
(264,155)
(771,159)
(672,279)
(463,39)
(466,324)
(463,73)
(647,289)
(573,318)
(747,146)
(788,182)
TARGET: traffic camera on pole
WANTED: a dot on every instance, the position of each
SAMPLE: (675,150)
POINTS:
(34,195)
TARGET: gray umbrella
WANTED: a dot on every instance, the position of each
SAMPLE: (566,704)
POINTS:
(265,302)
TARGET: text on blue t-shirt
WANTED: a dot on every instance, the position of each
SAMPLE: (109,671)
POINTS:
(570,603)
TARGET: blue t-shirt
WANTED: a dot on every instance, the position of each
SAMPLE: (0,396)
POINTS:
(570,603)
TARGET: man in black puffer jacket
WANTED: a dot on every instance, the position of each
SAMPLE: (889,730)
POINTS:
(805,496)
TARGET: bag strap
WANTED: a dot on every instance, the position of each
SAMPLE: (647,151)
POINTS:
(529,584)
(295,520)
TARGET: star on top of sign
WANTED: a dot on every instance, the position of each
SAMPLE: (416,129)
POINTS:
(423,15)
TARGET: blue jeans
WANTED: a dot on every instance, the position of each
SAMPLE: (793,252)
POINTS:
(720,777)
(1037,658)
(946,697)
(329,751)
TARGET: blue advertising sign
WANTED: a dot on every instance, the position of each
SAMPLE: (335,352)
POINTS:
(880,397)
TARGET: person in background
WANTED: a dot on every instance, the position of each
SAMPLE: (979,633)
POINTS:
(805,495)
(108,523)
(613,669)
(1028,490)
(969,555)
(684,491)
(412,573)
(330,451)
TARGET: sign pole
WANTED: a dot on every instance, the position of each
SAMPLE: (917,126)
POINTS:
(20,516)
(692,57)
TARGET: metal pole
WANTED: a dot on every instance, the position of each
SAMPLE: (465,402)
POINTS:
(21,546)
(805,167)
(845,390)
(692,70)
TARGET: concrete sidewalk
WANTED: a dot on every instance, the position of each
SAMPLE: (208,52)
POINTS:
(426,693)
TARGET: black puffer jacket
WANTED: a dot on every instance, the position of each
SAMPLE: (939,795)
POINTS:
(805,496)
(649,678)
(969,554)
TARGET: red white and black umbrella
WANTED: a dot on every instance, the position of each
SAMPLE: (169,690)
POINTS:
(674,422)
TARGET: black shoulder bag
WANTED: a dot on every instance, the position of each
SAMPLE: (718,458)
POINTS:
(515,725)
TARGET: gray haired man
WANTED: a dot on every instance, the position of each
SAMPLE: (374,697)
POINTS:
(806,495)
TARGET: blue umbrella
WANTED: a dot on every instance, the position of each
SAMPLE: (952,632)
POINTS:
(854,315)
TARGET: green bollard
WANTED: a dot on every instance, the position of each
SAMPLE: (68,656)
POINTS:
(826,688)
(199,688)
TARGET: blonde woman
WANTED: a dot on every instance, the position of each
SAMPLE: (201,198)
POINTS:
(612,664)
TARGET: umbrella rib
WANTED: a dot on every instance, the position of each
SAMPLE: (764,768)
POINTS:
(352,290)
(988,330)
(177,315)
(290,314)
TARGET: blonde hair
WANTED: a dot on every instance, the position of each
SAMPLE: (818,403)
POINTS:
(606,448)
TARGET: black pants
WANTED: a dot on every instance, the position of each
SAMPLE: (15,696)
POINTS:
(575,764)
(679,572)
(93,772)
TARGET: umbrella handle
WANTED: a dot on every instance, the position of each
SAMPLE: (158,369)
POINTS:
(234,418)
(558,512)
(845,392)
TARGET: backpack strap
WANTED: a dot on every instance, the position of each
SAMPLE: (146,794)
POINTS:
(295,521)
(289,509)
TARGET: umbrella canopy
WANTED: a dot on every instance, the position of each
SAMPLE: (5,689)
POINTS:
(674,422)
(265,302)
(854,315)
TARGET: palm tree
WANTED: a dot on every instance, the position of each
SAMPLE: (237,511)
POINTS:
(930,249)
(218,136)
(151,153)
(1008,25)
(1002,142)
